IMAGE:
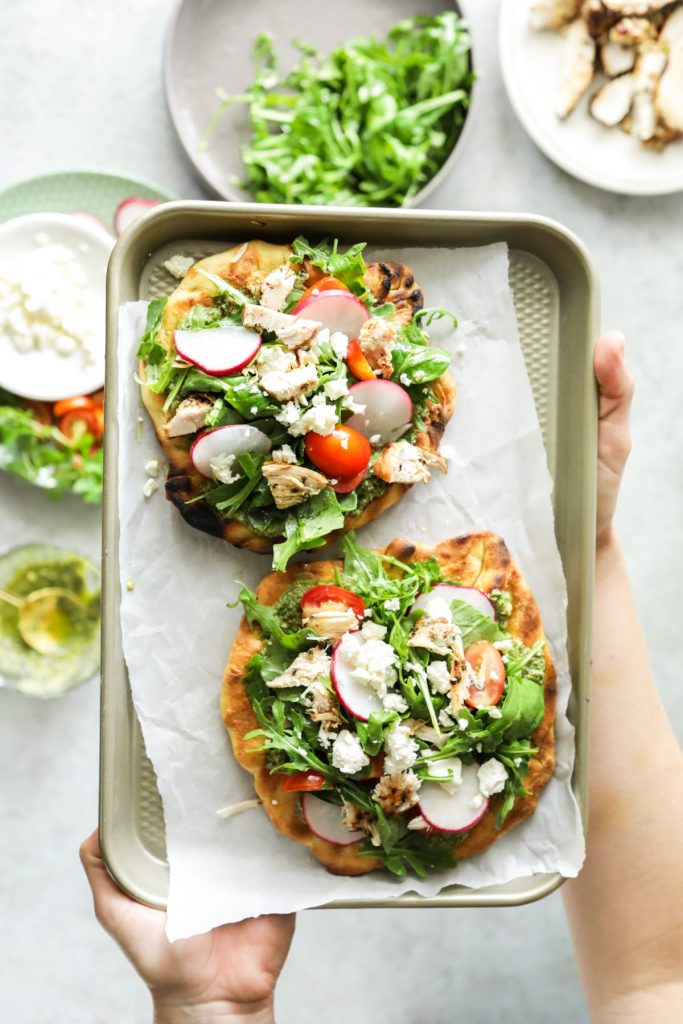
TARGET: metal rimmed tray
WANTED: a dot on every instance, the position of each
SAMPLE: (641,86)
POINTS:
(556,299)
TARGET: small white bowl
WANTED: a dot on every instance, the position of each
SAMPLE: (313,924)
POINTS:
(43,374)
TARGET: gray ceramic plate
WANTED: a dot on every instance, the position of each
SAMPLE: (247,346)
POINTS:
(209,43)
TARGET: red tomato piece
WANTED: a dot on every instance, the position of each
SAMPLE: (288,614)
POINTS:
(488,666)
(69,404)
(329,593)
(349,483)
(341,454)
(91,422)
(323,285)
(357,363)
(303,782)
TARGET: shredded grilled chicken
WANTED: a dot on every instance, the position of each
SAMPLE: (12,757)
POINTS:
(189,416)
(332,621)
(292,384)
(306,670)
(293,330)
(290,485)
(358,820)
(405,463)
(323,707)
(435,635)
(397,793)
(376,340)
(277,286)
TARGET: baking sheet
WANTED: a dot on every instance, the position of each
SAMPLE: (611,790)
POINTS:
(177,630)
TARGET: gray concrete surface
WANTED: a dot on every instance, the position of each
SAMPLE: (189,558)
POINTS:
(81,87)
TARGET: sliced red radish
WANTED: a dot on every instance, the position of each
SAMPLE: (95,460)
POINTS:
(325,819)
(235,439)
(455,811)
(388,410)
(443,593)
(218,350)
(92,219)
(336,310)
(358,700)
(130,209)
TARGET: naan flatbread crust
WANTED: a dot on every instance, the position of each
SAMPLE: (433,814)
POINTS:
(245,266)
(480,560)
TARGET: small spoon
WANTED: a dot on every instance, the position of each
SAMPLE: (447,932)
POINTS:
(45,618)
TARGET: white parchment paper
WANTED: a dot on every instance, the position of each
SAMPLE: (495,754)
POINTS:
(177,630)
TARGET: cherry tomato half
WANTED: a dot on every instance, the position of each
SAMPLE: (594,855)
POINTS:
(488,666)
(323,285)
(303,782)
(357,363)
(346,484)
(70,404)
(329,593)
(91,422)
(341,454)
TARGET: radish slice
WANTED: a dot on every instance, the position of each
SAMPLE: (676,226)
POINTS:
(92,219)
(388,410)
(444,593)
(236,439)
(457,811)
(218,350)
(358,700)
(326,821)
(130,209)
(336,310)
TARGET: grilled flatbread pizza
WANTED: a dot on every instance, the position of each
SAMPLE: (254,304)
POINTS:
(294,392)
(395,708)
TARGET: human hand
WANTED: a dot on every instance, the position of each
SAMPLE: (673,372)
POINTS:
(226,975)
(614,439)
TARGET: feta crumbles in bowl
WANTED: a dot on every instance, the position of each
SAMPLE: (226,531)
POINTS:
(294,391)
(395,708)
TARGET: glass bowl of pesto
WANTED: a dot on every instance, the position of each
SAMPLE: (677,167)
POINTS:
(25,570)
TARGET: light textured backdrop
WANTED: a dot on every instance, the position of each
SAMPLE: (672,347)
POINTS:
(81,88)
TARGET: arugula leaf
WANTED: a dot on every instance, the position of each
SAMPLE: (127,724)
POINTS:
(148,349)
(348,267)
(420,365)
(307,526)
(267,618)
(225,289)
(371,733)
(239,391)
(473,625)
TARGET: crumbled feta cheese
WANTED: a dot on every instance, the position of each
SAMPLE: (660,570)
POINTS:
(439,677)
(344,441)
(45,303)
(494,712)
(462,724)
(274,359)
(445,719)
(150,487)
(503,645)
(393,604)
(178,265)
(479,748)
(419,375)
(340,344)
(492,777)
(476,801)
(371,663)
(439,608)
(517,761)
(221,468)
(400,749)
(351,405)
(253,410)
(40,238)
(284,454)
(373,631)
(348,755)
(288,414)
(418,823)
(152,467)
(320,418)
(325,737)
(404,379)
(375,439)
(395,702)
(336,388)
(461,349)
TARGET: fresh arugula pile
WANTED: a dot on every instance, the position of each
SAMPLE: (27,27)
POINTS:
(292,742)
(41,454)
(369,125)
(238,398)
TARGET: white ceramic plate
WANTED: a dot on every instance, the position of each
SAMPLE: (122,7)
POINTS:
(605,157)
(44,374)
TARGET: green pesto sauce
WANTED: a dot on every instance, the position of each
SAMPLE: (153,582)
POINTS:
(80,625)
(288,605)
(370,488)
